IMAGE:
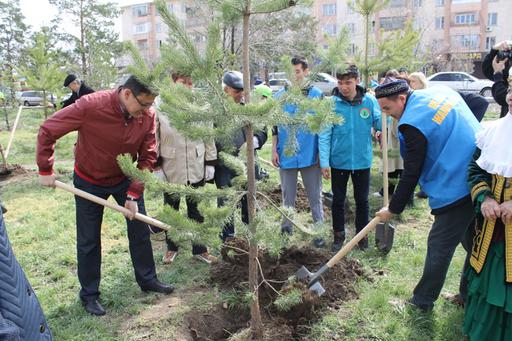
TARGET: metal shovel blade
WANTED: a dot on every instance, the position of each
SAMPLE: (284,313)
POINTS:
(303,274)
(384,236)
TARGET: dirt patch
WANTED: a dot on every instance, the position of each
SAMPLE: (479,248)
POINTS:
(231,275)
(13,170)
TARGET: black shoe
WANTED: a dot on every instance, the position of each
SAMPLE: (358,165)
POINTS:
(286,230)
(339,239)
(157,286)
(424,308)
(422,195)
(94,307)
(319,243)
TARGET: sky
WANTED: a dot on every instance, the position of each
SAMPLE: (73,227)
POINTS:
(39,12)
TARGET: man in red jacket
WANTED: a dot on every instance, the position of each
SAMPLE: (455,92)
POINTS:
(109,123)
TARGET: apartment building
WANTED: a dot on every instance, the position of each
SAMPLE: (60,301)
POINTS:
(457,32)
(143,25)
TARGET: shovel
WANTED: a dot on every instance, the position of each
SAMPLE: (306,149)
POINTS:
(314,285)
(4,170)
(106,203)
(384,233)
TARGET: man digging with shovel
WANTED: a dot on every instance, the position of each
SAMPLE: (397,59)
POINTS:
(437,129)
(109,123)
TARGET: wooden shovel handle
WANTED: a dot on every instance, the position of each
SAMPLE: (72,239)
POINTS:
(385,166)
(111,205)
(353,242)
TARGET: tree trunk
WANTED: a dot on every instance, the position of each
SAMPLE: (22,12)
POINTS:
(367,38)
(232,39)
(6,115)
(256,324)
(82,40)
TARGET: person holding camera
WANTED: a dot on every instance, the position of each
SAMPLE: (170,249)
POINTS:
(496,67)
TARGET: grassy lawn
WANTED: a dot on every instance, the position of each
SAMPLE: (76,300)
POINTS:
(41,227)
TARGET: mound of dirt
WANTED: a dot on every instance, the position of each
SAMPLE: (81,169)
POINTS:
(11,171)
(231,273)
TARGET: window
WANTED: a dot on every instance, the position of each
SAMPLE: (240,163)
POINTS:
(351,27)
(392,23)
(142,44)
(439,3)
(492,19)
(329,9)
(141,28)
(140,10)
(439,23)
(350,7)
(437,44)
(464,1)
(471,41)
(444,77)
(417,3)
(465,18)
(351,49)
(372,49)
(158,27)
(330,29)
(490,42)
(397,3)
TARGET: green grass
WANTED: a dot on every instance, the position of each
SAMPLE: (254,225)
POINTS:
(41,227)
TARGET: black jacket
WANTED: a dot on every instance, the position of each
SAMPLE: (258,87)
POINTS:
(500,86)
(84,90)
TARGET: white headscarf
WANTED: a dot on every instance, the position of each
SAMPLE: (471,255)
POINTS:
(495,141)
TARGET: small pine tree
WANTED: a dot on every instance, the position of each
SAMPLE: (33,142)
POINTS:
(41,70)
(209,114)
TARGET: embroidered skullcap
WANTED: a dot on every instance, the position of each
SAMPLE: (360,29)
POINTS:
(391,86)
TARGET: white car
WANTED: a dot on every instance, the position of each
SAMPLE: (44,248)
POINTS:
(325,82)
(277,84)
(463,82)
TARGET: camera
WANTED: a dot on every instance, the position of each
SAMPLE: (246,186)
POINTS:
(504,55)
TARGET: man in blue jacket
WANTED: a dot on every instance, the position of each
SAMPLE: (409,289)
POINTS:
(437,130)
(305,159)
(346,150)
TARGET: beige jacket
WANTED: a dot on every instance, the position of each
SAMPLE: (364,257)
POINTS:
(183,160)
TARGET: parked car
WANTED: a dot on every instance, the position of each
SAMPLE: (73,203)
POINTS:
(29,98)
(325,82)
(463,82)
(277,84)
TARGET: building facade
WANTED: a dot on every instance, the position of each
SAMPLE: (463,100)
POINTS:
(457,33)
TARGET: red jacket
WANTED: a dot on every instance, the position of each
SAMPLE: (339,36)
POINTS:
(104,132)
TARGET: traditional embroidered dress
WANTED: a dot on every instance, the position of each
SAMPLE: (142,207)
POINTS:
(488,314)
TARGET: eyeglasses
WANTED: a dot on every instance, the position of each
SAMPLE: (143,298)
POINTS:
(143,105)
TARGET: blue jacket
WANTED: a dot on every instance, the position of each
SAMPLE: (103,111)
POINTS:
(349,146)
(21,316)
(449,127)
(307,144)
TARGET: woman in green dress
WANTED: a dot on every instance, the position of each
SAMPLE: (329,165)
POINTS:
(488,312)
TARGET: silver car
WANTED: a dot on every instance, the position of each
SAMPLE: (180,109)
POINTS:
(30,98)
(463,82)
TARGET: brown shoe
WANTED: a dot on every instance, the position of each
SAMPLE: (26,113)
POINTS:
(169,257)
(206,257)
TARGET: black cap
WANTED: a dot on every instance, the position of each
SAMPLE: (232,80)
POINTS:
(70,78)
(233,79)
(403,69)
(391,86)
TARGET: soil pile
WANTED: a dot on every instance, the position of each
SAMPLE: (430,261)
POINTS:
(232,274)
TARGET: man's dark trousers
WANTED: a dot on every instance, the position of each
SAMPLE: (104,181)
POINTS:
(361,184)
(89,217)
(448,230)
(223,177)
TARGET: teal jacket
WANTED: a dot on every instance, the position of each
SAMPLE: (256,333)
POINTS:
(348,146)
